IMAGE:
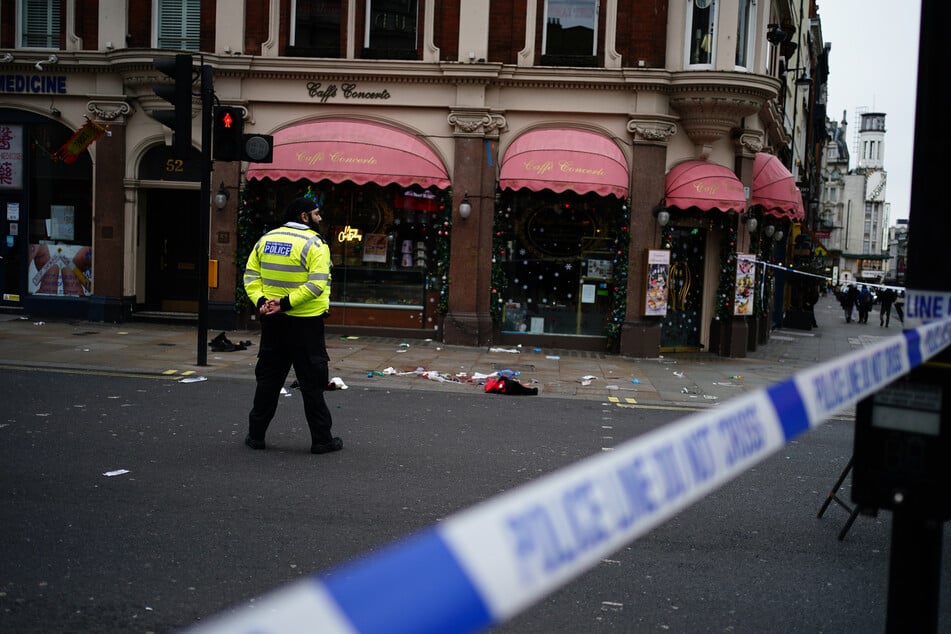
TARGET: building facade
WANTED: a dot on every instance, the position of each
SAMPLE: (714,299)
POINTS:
(854,207)
(566,129)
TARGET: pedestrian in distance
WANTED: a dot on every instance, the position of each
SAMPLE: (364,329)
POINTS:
(850,298)
(287,278)
(900,307)
(887,298)
(864,304)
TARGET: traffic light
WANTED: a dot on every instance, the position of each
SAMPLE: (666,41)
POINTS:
(179,95)
(228,133)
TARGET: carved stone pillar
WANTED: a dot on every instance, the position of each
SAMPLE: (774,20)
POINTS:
(640,335)
(468,320)
(109,301)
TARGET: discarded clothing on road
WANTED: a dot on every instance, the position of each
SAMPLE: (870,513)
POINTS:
(221,343)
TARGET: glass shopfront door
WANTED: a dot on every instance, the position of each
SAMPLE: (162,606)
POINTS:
(681,327)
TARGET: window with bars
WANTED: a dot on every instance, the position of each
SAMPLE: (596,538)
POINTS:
(39,23)
(178,24)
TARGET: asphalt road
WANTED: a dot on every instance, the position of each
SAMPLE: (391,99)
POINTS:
(200,523)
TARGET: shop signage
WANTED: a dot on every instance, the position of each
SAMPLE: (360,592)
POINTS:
(312,158)
(540,168)
(11,157)
(38,84)
(326,92)
(349,234)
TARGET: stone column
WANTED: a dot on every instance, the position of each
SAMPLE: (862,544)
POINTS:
(468,320)
(108,302)
(640,335)
(748,143)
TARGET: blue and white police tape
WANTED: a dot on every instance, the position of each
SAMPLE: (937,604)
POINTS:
(484,565)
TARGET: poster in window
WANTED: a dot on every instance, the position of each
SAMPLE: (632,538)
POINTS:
(11,156)
(745,281)
(62,225)
(374,247)
(658,271)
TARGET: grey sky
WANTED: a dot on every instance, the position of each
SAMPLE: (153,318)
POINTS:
(874,64)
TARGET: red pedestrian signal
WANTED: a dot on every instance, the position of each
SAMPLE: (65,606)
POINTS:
(228,133)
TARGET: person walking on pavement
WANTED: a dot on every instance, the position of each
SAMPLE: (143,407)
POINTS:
(864,304)
(900,307)
(848,302)
(887,298)
(288,278)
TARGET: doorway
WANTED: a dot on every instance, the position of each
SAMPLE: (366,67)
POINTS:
(172,251)
(681,327)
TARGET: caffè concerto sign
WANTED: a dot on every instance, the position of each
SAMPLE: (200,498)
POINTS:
(326,92)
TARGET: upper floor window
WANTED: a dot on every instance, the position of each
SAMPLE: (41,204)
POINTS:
(39,23)
(316,30)
(745,35)
(178,24)
(570,37)
(701,31)
(391,29)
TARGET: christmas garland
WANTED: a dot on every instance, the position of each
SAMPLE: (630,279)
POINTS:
(500,281)
(622,245)
(725,289)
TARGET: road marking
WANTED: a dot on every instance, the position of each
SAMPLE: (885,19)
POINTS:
(131,375)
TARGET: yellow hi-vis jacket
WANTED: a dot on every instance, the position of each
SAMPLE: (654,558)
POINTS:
(291,262)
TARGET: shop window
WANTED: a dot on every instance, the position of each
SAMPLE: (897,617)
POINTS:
(392,27)
(178,24)
(570,37)
(60,217)
(39,23)
(316,28)
(745,34)
(388,245)
(701,32)
(557,260)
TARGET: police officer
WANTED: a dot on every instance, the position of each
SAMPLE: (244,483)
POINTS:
(288,278)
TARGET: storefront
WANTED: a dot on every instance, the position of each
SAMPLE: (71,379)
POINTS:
(701,201)
(777,202)
(45,218)
(560,232)
(384,201)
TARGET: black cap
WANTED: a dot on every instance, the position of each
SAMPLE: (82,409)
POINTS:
(299,206)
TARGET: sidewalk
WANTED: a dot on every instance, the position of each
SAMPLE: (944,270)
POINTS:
(679,379)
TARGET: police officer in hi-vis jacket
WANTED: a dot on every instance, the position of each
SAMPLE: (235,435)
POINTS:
(288,278)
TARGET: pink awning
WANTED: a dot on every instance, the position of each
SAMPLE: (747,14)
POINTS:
(774,188)
(705,186)
(350,150)
(565,159)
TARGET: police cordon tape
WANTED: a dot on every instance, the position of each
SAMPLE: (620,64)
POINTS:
(484,565)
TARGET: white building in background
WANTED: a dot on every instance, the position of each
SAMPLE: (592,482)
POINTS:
(854,215)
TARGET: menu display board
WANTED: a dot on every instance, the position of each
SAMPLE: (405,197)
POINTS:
(745,283)
(658,272)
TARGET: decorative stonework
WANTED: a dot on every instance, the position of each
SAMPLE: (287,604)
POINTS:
(709,118)
(750,141)
(474,123)
(654,132)
(710,112)
(111,111)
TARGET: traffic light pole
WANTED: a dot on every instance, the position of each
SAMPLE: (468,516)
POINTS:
(915,563)
(204,209)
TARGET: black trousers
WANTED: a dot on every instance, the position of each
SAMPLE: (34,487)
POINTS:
(287,342)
